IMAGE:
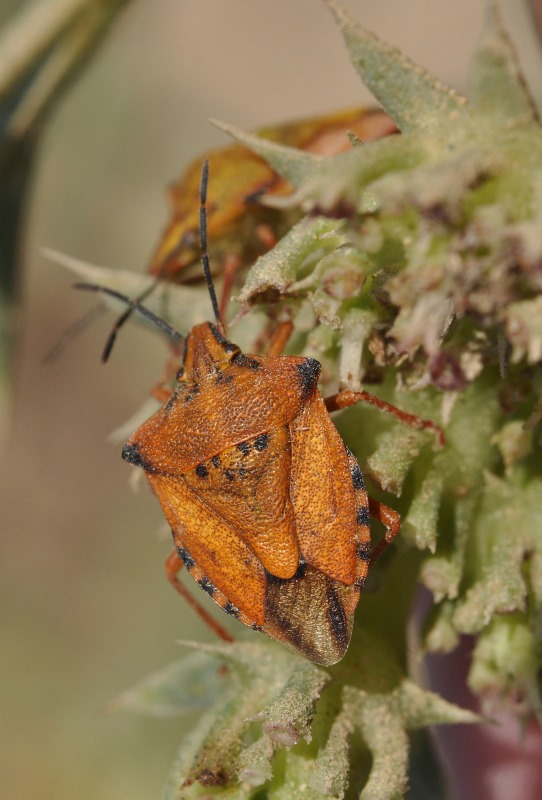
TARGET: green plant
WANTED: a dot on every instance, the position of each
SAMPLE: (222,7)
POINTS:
(422,252)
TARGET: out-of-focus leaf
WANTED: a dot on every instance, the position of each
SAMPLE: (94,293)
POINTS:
(193,682)
(42,48)
(496,83)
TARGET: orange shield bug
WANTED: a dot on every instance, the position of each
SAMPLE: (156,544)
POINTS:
(267,505)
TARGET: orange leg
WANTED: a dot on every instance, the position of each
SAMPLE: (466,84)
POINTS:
(229,268)
(173,567)
(348,398)
(162,390)
(266,235)
(279,338)
(388,517)
(274,338)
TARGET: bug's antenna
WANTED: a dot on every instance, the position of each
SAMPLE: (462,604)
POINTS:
(203,240)
(134,305)
(111,339)
(73,331)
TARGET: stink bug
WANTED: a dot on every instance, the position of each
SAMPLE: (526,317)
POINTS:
(267,505)
(240,228)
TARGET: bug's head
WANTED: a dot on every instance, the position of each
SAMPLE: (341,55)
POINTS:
(206,351)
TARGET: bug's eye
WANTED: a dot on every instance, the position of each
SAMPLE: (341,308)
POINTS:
(179,374)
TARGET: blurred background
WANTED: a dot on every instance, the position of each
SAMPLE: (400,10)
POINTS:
(86,610)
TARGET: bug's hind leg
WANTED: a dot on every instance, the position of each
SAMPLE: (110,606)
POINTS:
(390,519)
(173,566)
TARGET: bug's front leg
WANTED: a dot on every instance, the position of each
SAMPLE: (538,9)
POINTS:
(173,566)
(162,390)
(279,338)
(230,268)
(348,398)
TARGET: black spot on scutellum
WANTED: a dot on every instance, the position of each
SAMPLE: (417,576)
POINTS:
(261,442)
(202,471)
(309,372)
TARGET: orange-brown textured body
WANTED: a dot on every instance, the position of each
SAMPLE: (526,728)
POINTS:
(266,504)
(239,177)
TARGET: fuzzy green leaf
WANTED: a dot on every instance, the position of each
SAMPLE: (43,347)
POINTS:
(390,463)
(301,248)
(337,183)
(384,722)
(286,720)
(504,531)
(420,525)
(441,636)
(166,300)
(210,757)
(267,684)
(386,737)
(191,683)
(506,659)
(356,326)
(254,763)
(443,572)
(292,164)
(331,768)
(421,708)
(524,329)
(412,97)
(197,767)
(497,86)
